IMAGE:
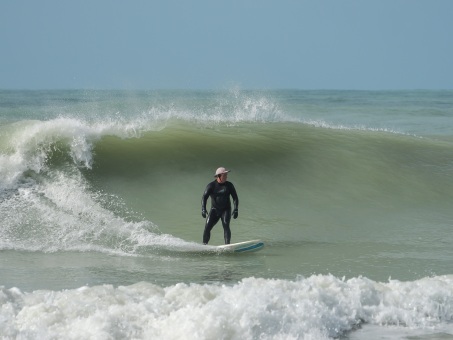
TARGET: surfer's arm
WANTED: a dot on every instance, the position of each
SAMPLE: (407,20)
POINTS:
(235,197)
(204,199)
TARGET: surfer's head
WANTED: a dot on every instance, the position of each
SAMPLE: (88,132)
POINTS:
(221,171)
(221,174)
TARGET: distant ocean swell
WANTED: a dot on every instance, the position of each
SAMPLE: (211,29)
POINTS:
(317,307)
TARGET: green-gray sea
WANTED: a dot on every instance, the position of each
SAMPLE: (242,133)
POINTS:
(101,226)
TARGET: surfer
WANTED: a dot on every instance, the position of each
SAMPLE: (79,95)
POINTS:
(220,191)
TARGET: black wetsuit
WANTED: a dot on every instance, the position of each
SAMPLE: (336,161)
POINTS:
(220,207)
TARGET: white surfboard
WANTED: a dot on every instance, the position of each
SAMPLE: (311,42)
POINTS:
(242,247)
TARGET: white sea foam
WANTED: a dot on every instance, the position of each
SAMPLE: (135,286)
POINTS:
(317,307)
(61,212)
(58,211)
(30,143)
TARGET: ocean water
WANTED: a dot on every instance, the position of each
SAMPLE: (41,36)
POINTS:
(100,216)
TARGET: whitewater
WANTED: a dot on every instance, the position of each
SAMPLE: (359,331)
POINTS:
(101,223)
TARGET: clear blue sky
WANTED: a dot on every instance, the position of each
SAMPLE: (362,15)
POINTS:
(217,44)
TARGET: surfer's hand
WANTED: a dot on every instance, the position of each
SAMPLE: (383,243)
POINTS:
(235,214)
(203,213)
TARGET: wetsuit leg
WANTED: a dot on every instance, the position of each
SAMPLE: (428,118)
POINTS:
(226,218)
(211,221)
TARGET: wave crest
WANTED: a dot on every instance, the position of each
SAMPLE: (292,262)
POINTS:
(27,145)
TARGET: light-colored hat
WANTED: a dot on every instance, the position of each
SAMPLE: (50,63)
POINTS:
(220,171)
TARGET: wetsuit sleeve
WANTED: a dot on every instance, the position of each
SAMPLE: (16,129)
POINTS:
(206,194)
(235,196)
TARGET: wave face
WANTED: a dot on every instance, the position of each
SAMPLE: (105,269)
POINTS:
(101,190)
